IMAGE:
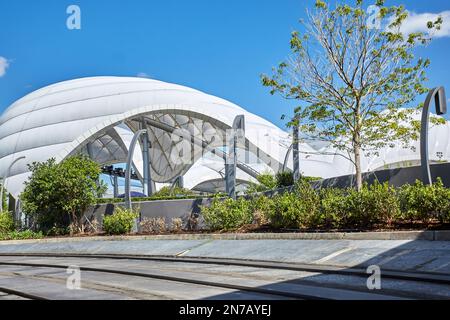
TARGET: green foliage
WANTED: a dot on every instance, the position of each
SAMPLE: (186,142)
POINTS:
(261,206)
(3,201)
(419,202)
(284,179)
(21,235)
(121,222)
(333,208)
(6,222)
(375,204)
(57,194)
(266,181)
(165,192)
(352,79)
(298,209)
(156,198)
(227,214)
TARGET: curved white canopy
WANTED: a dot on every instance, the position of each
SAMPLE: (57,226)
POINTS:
(98,115)
(80,115)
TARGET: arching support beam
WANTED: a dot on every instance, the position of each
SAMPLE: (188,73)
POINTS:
(199,142)
(438,94)
(178,182)
(236,132)
(129,165)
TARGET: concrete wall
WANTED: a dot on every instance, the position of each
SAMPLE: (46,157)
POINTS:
(395,177)
(183,208)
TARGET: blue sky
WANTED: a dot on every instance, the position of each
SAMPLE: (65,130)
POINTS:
(220,47)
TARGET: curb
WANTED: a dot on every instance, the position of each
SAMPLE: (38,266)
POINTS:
(438,235)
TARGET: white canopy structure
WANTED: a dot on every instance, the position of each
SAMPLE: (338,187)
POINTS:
(98,116)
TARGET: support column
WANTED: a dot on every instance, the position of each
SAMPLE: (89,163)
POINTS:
(90,150)
(116,186)
(11,203)
(147,179)
(236,132)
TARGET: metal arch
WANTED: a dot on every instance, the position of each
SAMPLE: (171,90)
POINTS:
(286,158)
(295,148)
(128,166)
(247,169)
(438,94)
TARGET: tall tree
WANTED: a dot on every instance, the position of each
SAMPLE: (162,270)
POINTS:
(354,76)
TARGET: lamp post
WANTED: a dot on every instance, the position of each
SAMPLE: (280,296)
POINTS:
(4,181)
(438,94)
(296,151)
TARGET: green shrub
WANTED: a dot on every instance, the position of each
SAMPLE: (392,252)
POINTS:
(420,202)
(21,235)
(298,209)
(227,214)
(372,205)
(121,222)
(172,192)
(266,181)
(6,222)
(284,179)
(261,207)
(57,194)
(332,207)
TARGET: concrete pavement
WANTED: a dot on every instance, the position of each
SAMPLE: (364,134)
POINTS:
(412,255)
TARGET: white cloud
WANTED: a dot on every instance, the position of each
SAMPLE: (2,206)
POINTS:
(4,64)
(417,22)
(142,75)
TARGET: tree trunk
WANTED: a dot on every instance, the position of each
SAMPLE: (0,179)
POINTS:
(357,153)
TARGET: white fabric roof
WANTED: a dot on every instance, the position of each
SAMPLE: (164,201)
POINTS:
(59,119)
(67,117)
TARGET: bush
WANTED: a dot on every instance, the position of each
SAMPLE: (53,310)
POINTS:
(266,181)
(153,225)
(372,205)
(176,225)
(261,207)
(284,179)
(375,206)
(227,214)
(299,209)
(57,194)
(6,222)
(121,222)
(21,235)
(172,192)
(332,204)
(419,202)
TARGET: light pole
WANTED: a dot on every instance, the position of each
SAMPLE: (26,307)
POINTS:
(4,181)
(294,147)
(438,94)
